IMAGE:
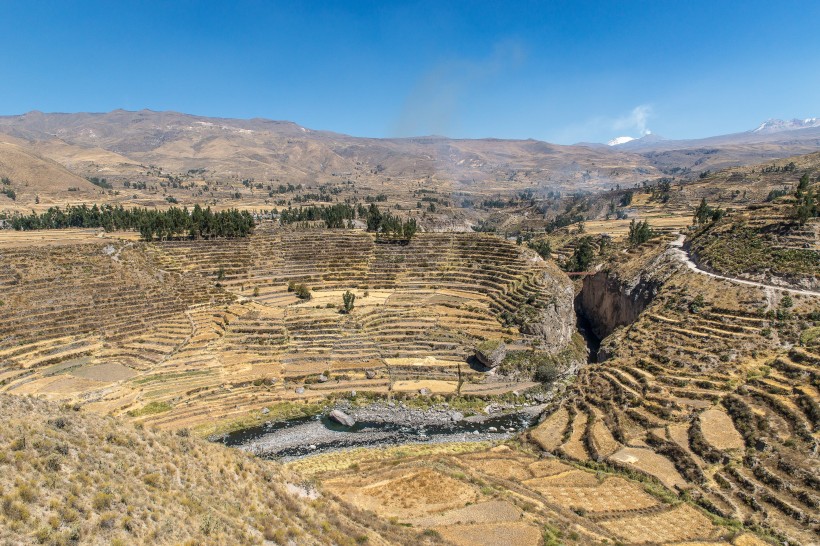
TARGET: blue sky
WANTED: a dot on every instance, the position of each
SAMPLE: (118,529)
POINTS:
(563,71)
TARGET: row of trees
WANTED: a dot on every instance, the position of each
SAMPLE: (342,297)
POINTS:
(390,226)
(341,215)
(168,224)
(336,216)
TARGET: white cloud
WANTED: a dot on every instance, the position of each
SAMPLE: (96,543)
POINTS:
(603,128)
(636,119)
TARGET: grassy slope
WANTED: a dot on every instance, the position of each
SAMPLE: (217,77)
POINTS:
(738,245)
(67,477)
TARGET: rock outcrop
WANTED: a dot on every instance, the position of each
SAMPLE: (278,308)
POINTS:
(342,418)
(553,324)
(611,298)
(491,353)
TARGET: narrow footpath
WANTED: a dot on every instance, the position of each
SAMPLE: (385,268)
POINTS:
(678,251)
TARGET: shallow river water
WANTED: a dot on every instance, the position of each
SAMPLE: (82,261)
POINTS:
(296,438)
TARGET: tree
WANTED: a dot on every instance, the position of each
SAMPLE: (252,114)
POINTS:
(374,218)
(701,213)
(582,258)
(546,372)
(805,205)
(639,232)
(348,298)
(542,247)
(803,185)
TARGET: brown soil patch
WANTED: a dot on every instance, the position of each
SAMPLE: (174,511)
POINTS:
(749,540)
(678,524)
(548,467)
(434,386)
(583,490)
(407,495)
(62,385)
(483,512)
(492,534)
(719,430)
(548,434)
(504,468)
(650,462)
(574,448)
(58,237)
(105,372)
(602,439)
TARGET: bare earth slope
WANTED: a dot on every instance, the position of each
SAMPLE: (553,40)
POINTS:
(33,175)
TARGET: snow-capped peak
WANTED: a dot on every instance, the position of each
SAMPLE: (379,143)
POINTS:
(620,140)
(777,125)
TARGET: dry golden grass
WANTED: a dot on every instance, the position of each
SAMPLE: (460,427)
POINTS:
(68,477)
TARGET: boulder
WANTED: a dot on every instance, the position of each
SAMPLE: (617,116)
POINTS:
(300,390)
(456,416)
(370,374)
(491,353)
(322,378)
(265,411)
(342,418)
(425,391)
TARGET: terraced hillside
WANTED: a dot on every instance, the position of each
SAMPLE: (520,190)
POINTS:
(763,243)
(473,495)
(708,391)
(195,332)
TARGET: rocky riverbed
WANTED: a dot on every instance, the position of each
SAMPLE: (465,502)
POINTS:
(381,424)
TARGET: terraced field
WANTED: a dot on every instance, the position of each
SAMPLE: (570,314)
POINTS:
(708,393)
(197,332)
(479,495)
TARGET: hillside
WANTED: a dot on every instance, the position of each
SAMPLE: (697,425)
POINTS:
(32,176)
(149,156)
(696,421)
(201,333)
(701,384)
(120,484)
(283,152)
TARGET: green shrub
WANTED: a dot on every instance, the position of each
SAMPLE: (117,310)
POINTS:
(546,373)
(302,292)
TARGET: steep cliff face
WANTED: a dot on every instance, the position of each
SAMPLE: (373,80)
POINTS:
(554,323)
(616,296)
(608,302)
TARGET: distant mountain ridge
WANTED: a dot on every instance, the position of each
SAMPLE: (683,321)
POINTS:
(136,145)
(768,127)
(778,125)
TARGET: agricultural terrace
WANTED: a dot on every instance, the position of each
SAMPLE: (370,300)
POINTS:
(473,494)
(193,333)
(712,391)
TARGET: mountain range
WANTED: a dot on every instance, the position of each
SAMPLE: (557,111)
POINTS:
(48,151)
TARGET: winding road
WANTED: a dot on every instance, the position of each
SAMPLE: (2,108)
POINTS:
(678,251)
